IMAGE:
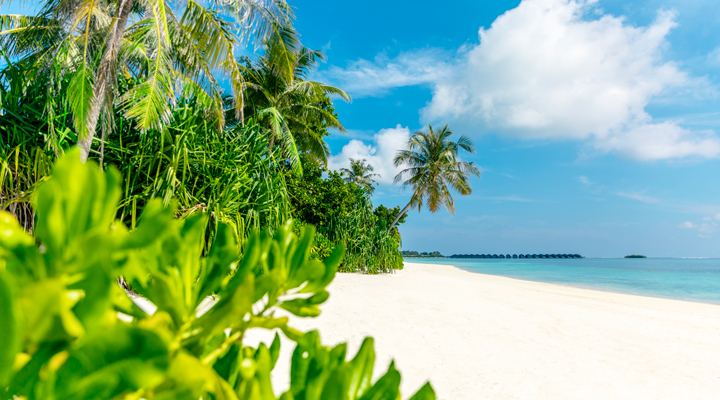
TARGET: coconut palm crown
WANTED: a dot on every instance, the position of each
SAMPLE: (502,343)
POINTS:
(361,174)
(79,48)
(279,96)
(433,168)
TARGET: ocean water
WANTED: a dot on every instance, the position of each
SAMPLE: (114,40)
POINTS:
(691,279)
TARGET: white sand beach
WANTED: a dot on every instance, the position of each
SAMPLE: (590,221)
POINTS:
(486,337)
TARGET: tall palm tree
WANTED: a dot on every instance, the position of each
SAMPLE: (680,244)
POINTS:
(360,174)
(281,98)
(433,169)
(84,45)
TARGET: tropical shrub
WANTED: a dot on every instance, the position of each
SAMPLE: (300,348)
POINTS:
(343,213)
(70,332)
(370,247)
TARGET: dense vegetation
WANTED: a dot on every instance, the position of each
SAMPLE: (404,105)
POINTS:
(239,158)
(70,332)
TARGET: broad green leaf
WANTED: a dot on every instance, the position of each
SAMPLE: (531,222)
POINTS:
(362,369)
(230,310)
(10,333)
(223,256)
(304,353)
(96,287)
(227,366)
(425,393)
(46,307)
(28,378)
(18,250)
(153,223)
(111,362)
(77,201)
(189,373)
(337,387)
(262,374)
(274,351)
(386,388)
(331,264)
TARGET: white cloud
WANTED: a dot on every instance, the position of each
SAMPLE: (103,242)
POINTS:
(660,141)
(584,180)
(705,227)
(714,56)
(508,198)
(374,78)
(552,69)
(544,71)
(640,197)
(380,153)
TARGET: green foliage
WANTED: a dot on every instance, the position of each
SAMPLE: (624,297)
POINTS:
(82,47)
(343,213)
(370,247)
(29,137)
(316,200)
(230,175)
(385,217)
(70,332)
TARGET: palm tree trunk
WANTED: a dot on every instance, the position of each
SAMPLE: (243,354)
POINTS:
(104,76)
(404,210)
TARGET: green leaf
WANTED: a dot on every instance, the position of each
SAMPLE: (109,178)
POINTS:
(425,393)
(197,378)
(47,312)
(304,353)
(111,362)
(75,204)
(10,332)
(306,307)
(274,351)
(362,369)
(18,250)
(386,388)
(230,310)
(337,387)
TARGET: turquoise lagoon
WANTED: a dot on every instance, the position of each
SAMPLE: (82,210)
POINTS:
(691,279)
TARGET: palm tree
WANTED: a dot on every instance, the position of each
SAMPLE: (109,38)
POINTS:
(434,168)
(360,174)
(281,98)
(85,45)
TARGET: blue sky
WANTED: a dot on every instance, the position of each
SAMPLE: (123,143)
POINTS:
(595,123)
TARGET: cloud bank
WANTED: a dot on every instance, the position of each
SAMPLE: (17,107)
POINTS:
(552,69)
(380,153)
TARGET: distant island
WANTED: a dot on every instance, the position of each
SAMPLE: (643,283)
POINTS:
(635,256)
(415,254)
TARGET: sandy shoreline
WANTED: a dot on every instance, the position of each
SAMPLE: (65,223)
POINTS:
(481,336)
